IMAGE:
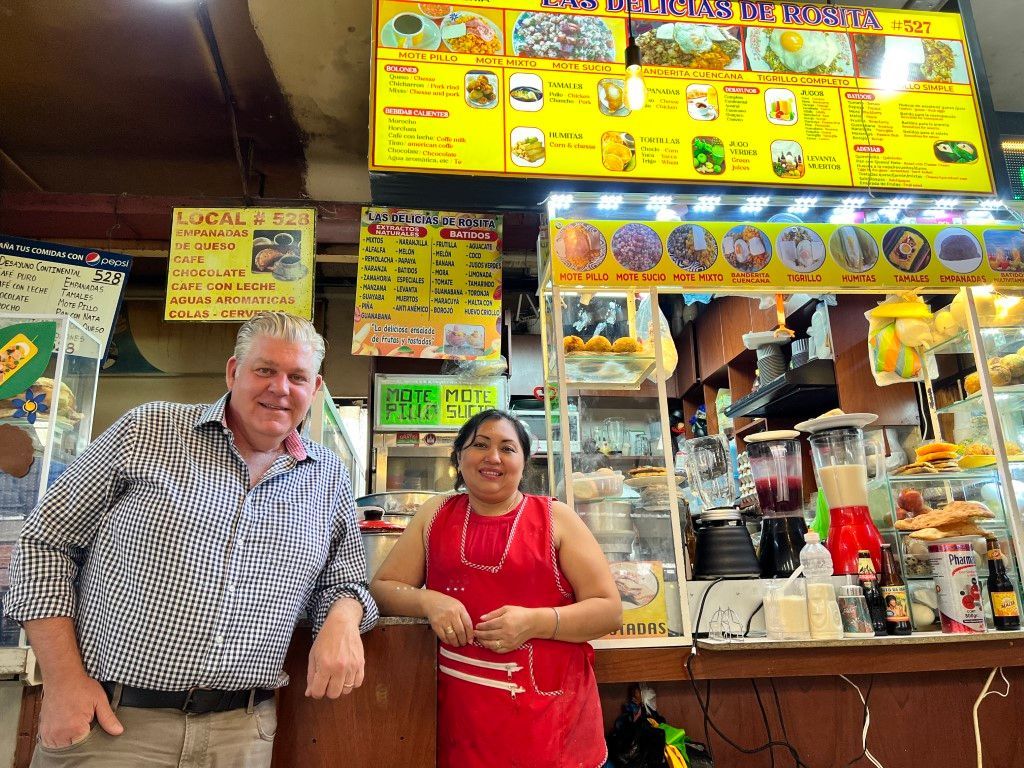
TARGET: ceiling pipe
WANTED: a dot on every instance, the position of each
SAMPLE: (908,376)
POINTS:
(205,23)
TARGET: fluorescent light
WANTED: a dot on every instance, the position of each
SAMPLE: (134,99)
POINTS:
(609,202)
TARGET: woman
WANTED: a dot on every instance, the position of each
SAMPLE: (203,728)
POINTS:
(515,586)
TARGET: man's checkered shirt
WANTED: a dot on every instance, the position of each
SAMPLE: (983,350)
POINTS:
(176,572)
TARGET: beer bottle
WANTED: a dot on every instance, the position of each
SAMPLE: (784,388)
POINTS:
(873,595)
(894,595)
(1005,609)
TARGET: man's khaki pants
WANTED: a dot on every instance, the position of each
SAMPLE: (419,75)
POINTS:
(167,738)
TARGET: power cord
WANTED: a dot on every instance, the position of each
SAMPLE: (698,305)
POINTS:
(700,610)
(864,715)
(750,619)
(711,723)
(778,708)
(764,718)
(867,725)
(986,692)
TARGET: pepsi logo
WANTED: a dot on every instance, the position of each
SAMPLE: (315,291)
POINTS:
(92,258)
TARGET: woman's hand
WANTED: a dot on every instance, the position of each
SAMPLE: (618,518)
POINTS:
(508,627)
(448,618)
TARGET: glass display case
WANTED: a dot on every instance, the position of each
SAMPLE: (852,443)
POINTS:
(326,427)
(975,390)
(48,374)
(606,373)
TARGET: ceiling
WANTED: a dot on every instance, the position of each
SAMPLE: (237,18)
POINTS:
(123,96)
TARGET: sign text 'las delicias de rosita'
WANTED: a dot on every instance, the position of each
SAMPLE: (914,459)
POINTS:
(429,284)
(738,93)
(230,263)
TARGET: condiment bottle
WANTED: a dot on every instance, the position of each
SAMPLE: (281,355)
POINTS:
(822,609)
(1005,608)
(869,584)
(894,595)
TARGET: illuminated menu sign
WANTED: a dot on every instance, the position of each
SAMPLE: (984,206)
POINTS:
(414,403)
(733,255)
(737,93)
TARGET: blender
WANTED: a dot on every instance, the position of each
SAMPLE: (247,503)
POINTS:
(778,479)
(841,469)
(724,548)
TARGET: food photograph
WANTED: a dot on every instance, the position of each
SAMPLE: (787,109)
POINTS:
(906,249)
(958,249)
(746,248)
(854,249)
(611,97)
(692,247)
(277,252)
(636,247)
(708,155)
(799,51)
(468,32)
(481,89)
(618,151)
(527,147)
(955,152)
(910,59)
(562,36)
(1005,250)
(580,246)
(787,159)
(697,46)
(412,30)
(526,92)
(800,249)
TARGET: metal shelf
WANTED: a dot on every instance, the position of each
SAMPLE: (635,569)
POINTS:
(1011,396)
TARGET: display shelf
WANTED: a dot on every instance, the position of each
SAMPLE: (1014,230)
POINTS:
(1010,397)
(607,371)
(983,475)
(811,388)
(997,336)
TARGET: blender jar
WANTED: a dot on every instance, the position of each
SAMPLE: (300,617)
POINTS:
(840,466)
(778,479)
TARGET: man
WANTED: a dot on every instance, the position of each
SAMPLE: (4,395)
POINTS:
(160,578)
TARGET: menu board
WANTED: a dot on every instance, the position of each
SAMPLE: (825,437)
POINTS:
(712,256)
(231,263)
(411,403)
(429,285)
(737,93)
(39,278)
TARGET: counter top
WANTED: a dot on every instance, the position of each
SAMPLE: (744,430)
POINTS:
(759,658)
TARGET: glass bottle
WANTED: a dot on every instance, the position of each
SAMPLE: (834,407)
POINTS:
(894,595)
(1005,608)
(873,595)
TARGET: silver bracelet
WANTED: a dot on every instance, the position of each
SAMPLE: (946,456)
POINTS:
(555,632)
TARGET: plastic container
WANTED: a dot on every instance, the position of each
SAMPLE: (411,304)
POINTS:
(822,608)
(853,607)
(785,610)
(594,486)
(815,558)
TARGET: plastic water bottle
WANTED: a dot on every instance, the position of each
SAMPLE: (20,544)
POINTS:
(816,559)
(822,609)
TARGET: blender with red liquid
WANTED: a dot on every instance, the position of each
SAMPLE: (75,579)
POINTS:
(841,469)
(778,479)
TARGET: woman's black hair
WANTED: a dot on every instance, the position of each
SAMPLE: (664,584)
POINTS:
(468,431)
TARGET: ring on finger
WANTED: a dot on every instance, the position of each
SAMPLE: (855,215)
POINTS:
(497,644)
(448,630)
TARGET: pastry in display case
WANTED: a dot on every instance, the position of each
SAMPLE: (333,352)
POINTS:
(963,489)
(619,477)
(48,374)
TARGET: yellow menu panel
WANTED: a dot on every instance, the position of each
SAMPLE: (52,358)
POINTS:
(428,285)
(230,263)
(737,93)
(733,255)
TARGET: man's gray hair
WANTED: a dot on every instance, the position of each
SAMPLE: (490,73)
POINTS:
(280,325)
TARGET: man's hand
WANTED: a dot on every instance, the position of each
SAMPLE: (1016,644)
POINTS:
(68,710)
(336,658)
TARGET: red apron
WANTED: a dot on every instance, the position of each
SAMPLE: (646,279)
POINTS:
(538,706)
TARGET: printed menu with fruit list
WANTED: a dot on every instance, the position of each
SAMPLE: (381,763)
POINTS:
(737,93)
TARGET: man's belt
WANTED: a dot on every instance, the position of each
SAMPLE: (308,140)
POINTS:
(195,701)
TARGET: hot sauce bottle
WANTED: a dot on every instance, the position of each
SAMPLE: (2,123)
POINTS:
(1005,608)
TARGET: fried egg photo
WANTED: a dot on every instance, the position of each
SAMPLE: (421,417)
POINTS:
(803,51)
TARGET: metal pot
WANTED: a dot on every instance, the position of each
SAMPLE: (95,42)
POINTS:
(378,538)
(608,515)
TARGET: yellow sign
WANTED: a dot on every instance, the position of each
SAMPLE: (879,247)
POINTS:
(429,284)
(716,256)
(230,263)
(737,93)
(641,586)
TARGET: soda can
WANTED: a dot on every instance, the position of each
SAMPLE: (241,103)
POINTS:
(961,609)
